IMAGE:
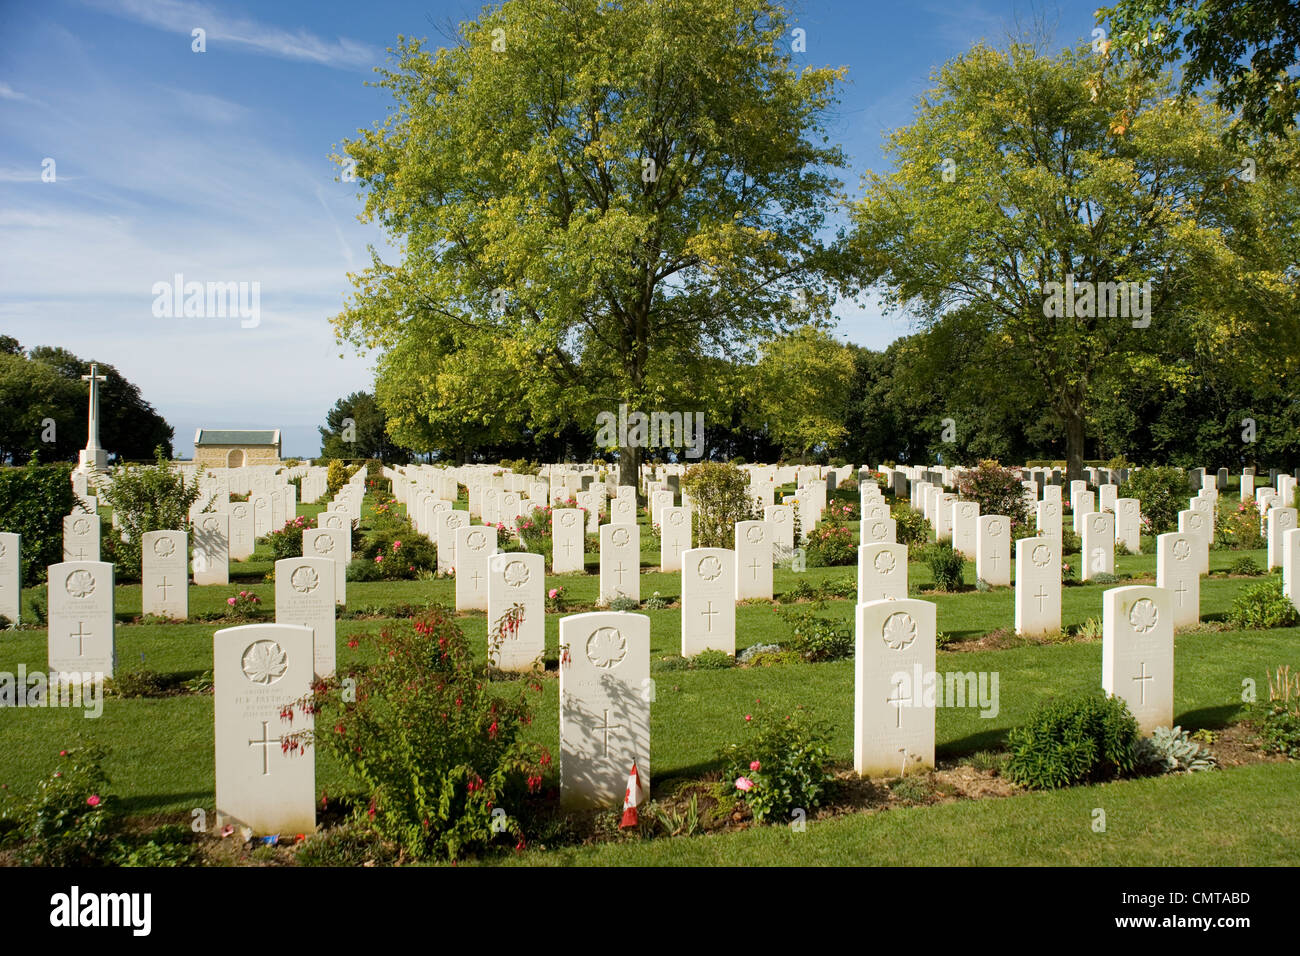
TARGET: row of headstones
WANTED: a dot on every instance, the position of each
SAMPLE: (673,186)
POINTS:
(606,692)
(897,689)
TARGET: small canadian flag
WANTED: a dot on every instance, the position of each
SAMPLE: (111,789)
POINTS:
(631,799)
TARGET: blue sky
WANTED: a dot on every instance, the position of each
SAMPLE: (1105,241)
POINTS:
(215,165)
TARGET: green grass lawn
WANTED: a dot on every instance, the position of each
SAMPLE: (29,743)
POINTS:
(161,760)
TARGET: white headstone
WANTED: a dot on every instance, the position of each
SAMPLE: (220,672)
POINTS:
(993,550)
(1038,585)
(893,716)
(446,523)
(263,515)
(1178,572)
(1279,522)
(781,518)
(674,536)
(708,601)
(620,562)
(243,534)
(1137,653)
(81,630)
(474,545)
(1085,503)
(882,572)
(605,695)
(568,540)
(11,576)
(1291,566)
(164,574)
(753,560)
(516,578)
(304,596)
(1195,523)
(1128,523)
(879,531)
(257,671)
(81,537)
(965,527)
(622,510)
(1098,547)
(1049,518)
(331,544)
(212,549)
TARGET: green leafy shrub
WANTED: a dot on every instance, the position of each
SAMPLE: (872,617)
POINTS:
(655,602)
(946,565)
(433,743)
(145,498)
(1163,493)
(712,660)
(910,526)
(141,682)
(1246,567)
(395,551)
(171,844)
(1081,739)
(817,638)
(780,765)
(801,590)
(335,477)
(1172,751)
(67,822)
(33,502)
(1263,606)
(719,498)
(748,653)
(998,491)
(622,603)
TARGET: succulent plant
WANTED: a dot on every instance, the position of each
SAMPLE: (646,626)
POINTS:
(1171,751)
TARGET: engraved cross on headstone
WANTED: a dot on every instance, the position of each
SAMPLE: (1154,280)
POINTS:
(265,743)
(1142,679)
(1041,595)
(81,636)
(708,613)
(899,703)
(606,728)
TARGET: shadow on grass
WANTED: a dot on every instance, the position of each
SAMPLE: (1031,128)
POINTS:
(1209,717)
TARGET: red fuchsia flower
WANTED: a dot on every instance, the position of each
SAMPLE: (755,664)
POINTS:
(755,766)
(92,800)
(492,731)
(352,642)
(744,784)
(338,728)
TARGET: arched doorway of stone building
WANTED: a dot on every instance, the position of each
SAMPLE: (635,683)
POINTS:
(235,459)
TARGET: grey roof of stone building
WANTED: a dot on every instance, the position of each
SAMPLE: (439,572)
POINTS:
(228,436)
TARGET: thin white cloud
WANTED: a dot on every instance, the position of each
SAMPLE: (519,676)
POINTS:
(7,92)
(184,16)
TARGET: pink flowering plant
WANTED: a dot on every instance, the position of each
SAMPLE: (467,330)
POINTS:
(555,600)
(287,542)
(244,606)
(67,822)
(535,531)
(779,765)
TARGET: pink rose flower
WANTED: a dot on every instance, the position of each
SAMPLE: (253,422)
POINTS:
(755,766)
(92,800)
(552,593)
(744,783)
(231,601)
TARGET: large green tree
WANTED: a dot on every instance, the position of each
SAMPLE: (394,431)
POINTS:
(45,385)
(356,427)
(595,203)
(1249,50)
(1024,173)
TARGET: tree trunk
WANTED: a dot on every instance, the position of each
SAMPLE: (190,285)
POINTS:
(629,465)
(1074,440)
